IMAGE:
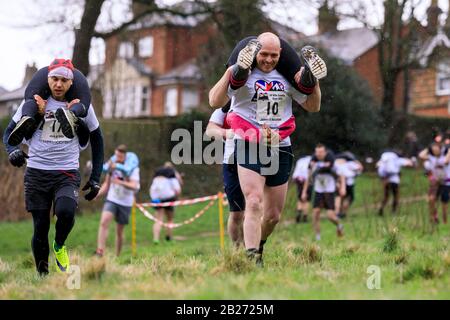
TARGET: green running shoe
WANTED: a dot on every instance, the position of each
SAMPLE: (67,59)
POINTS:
(61,258)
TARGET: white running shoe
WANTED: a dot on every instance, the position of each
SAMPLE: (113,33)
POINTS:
(248,54)
(315,63)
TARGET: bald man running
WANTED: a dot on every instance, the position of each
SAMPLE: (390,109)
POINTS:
(261,117)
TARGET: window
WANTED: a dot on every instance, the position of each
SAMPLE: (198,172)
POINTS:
(126,50)
(190,99)
(146,47)
(171,102)
(144,99)
(443,78)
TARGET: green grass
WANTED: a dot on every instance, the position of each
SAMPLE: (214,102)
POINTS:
(413,257)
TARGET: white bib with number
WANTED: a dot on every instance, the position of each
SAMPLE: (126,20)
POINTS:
(270,106)
(51,130)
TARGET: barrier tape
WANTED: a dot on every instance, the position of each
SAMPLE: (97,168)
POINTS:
(178,202)
(176,225)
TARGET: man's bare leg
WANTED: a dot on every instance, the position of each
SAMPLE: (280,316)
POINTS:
(252,185)
(119,238)
(235,227)
(105,220)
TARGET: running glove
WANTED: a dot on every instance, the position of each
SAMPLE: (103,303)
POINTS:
(17,158)
(93,188)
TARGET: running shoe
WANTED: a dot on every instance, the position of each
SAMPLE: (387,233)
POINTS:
(61,258)
(314,62)
(68,122)
(24,129)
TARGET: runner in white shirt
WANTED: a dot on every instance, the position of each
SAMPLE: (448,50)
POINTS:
(389,167)
(262,102)
(350,168)
(165,187)
(436,164)
(120,189)
(300,175)
(218,128)
(322,173)
(52,176)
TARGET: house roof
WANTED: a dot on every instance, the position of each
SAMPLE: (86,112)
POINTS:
(141,67)
(17,94)
(160,19)
(187,72)
(3,90)
(347,44)
(286,32)
(425,51)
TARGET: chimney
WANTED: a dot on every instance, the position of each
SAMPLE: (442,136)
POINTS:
(139,6)
(447,22)
(433,13)
(30,70)
(328,19)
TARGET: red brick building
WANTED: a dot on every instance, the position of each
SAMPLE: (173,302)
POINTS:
(428,82)
(150,69)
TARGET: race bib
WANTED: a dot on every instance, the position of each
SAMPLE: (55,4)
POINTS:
(51,129)
(270,106)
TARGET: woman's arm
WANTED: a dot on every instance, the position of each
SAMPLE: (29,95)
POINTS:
(218,96)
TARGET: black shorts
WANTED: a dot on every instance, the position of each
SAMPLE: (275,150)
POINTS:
(44,187)
(275,166)
(232,188)
(392,186)
(350,193)
(300,185)
(169,208)
(443,193)
(324,200)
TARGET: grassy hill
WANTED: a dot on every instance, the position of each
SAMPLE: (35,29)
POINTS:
(413,257)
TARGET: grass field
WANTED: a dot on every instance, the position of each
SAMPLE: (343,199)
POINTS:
(413,258)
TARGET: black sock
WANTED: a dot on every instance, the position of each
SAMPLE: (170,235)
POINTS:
(299,215)
(261,246)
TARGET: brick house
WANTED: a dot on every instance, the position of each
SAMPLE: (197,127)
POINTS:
(427,83)
(150,69)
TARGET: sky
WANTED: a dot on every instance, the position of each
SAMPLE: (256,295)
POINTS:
(24,39)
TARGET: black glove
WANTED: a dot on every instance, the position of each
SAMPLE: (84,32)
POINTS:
(93,187)
(307,79)
(18,158)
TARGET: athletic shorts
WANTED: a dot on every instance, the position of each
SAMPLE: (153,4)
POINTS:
(247,156)
(324,200)
(350,193)
(300,185)
(170,208)
(121,213)
(45,187)
(443,193)
(232,188)
(392,186)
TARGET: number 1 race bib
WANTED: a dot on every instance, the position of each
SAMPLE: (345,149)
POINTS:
(270,106)
(51,130)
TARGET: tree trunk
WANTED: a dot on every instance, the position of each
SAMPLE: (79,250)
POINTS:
(84,34)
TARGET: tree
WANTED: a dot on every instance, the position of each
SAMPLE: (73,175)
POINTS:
(64,16)
(348,119)
(235,20)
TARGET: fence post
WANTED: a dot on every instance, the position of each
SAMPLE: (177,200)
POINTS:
(133,229)
(221,224)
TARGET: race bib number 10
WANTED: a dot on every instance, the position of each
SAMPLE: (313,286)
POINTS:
(270,106)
